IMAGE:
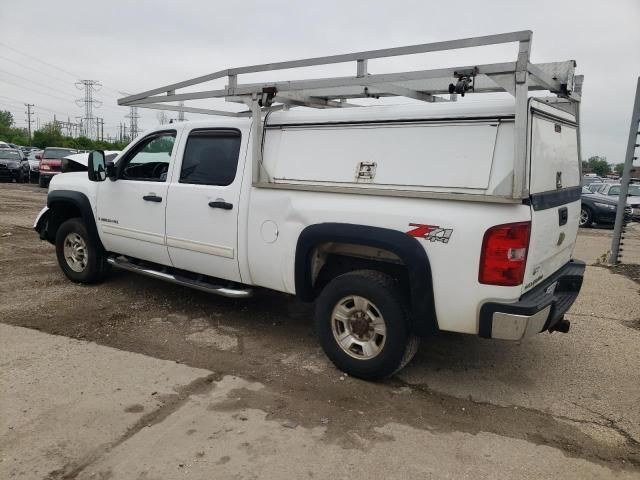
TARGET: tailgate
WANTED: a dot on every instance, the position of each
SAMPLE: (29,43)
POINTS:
(555,192)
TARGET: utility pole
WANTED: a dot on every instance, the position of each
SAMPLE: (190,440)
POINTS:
(29,121)
(89,86)
(632,144)
(133,122)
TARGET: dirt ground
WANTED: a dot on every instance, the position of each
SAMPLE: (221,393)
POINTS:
(577,393)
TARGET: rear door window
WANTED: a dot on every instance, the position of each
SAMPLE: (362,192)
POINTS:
(211,157)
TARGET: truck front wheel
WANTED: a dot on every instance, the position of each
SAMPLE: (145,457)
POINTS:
(79,257)
(362,320)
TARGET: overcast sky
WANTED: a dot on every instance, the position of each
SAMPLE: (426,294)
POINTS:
(133,46)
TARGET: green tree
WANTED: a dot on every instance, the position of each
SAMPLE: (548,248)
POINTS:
(49,135)
(9,133)
(6,118)
(619,168)
(599,165)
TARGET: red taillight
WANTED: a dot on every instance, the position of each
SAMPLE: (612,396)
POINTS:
(504,254)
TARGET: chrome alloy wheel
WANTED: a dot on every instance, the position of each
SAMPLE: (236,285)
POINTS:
(358,327)
(75,252)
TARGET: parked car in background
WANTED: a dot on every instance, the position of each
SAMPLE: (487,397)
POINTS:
(595,209)
(51,163)
(612,191)
(34,164)
(593,187)
(13,165)
(589,179)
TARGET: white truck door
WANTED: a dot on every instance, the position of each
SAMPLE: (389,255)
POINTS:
(555,192)
(202,212)
(131,210)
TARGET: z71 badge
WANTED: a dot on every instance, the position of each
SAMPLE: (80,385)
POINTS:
(433,233)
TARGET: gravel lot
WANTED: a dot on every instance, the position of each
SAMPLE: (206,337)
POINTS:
(576,395)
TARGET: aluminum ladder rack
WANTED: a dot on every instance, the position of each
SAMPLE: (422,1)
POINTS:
(436,85)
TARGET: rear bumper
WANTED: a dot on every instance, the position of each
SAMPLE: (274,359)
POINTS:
(538,310)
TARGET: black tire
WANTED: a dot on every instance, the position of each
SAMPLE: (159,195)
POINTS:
(586,216)
(383,293)
(42,182)
(95,266)
(20,177)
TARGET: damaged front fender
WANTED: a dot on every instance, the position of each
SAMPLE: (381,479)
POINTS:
(42,223)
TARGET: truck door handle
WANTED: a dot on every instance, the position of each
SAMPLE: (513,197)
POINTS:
(152,198)
(221,204)
(563,216)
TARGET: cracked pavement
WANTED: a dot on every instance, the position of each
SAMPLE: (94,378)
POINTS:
(148,380)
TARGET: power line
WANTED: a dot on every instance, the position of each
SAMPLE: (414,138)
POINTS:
(33,69)
(12,103)
(38,60)
(118,91)
(35,90)
(34,82)
(19,105)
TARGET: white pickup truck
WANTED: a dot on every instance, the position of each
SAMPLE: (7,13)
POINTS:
(398,221)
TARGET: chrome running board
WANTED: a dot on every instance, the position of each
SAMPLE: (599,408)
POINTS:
(204,286)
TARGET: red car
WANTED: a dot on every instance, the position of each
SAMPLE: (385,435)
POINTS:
(51,163)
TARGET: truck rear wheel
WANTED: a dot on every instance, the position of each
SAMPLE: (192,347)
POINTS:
(79,257)
(362,321)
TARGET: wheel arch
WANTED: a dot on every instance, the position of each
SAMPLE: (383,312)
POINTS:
(66,204)
(412,254)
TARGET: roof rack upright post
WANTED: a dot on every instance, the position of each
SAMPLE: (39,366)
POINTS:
(520,171)
(256,137)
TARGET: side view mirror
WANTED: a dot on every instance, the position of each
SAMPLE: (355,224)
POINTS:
(38,156)
(97,166)
(111,171)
